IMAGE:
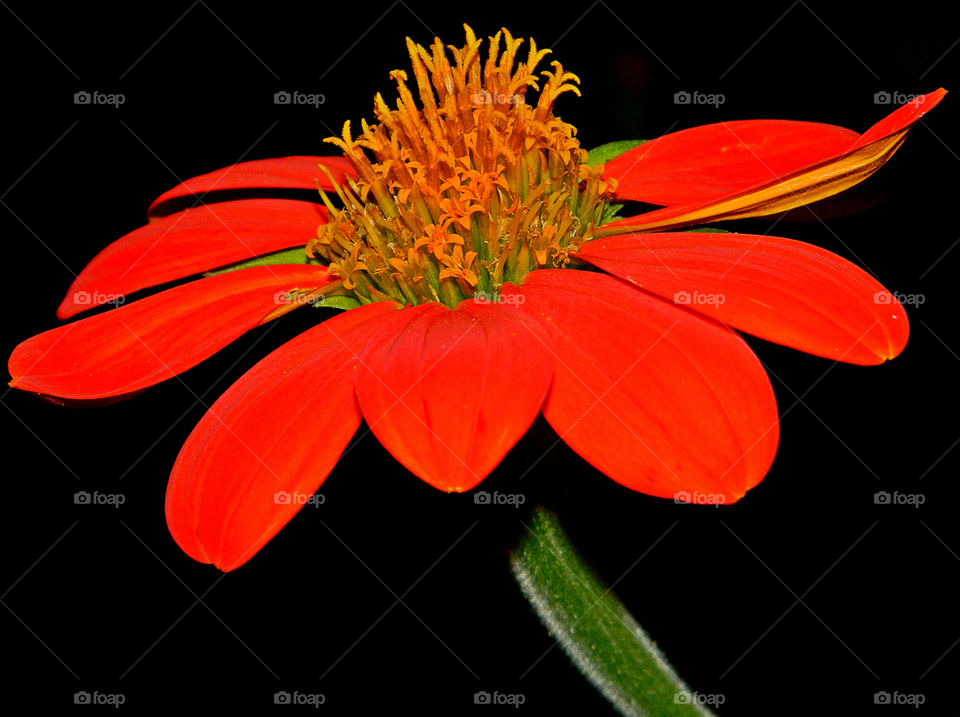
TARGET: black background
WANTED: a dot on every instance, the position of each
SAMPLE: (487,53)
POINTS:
(100,599)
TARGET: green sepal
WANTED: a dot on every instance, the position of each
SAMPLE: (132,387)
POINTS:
(605,152)
(338,302)
(295,255)
(610,214)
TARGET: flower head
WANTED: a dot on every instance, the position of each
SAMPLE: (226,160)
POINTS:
(467,234)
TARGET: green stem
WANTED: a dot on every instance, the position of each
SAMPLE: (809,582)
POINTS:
(594,628)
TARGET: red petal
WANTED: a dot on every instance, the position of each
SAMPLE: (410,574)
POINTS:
(277,173)
(801,186)
(156,338)
(902,117)
(189,242)
(449,392)
(268,443)
(714,160)
(781,290)
(662,400)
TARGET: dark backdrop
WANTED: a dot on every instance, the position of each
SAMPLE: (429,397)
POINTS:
(805,595)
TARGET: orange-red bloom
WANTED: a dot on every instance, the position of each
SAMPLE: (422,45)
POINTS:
(458,227)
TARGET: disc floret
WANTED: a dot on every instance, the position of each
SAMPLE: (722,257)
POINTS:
(477,186)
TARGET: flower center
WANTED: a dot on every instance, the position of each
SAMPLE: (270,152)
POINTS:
(476,187)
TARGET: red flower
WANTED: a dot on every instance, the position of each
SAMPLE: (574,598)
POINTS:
(458,237)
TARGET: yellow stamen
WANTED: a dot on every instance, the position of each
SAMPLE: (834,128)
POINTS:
(475,187)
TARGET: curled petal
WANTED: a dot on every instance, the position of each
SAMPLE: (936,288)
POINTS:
(797,188)
(140,344)
(190,242)
(263,449)
(781,290)
(662,400)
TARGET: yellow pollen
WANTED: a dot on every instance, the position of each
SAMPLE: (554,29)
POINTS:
(468,183)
